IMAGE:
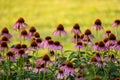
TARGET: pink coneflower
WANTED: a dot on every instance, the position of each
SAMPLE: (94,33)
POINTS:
(69,70)
(98,25)
(98,57)
(27,67)
(107,33)
(57,46)
(3,45)
(76,29)
(87,42)
(117,78)
(45,42)
(36,35)
(24,46)
(40,68)
(34,45)
(117,46)
(20,24)
(39,41)
(24,34)
(88,34)
(5,32)
(79,45)
(16,48)
(60,74)
(21,53)
(4,38)
(110,57)
(111,41)
(32,30)
(50,45)
(60,30)
(80,77)
(95,46)
(46,59)
(96,62)
(116,23)
(76,38)
(101,46)
(11,56)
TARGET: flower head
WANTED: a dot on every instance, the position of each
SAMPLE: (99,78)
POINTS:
(98,25)
(20,24)
(60,74)
(79,45)
(116,23)
(32,30)
(107,33)
(57,45)
(60,30)
(5,32)
(24,34)
(11,55)
(88,34)
(76,29)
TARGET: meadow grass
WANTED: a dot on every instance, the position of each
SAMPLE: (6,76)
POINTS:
(45,15)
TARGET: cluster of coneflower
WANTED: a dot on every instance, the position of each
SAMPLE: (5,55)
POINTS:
(22,57)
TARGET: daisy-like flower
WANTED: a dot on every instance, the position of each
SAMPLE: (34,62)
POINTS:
(36,35)
(79,45)
(116,23)
(80,77)
(76,29)
(44,43)
(60,30)
(101,46)
(5,32)
(39,41)
(95,46)
(24,46)
(24,34)
(98,56)
(32,30)
(76,38)
(34,46)
(97,25)
(87,42)
(51,45)
(57,46)
(107,33)
(96,62)
(69,70)
(111,41)
(11,56)
(27,67)
(4,38)
(20,24)
(60,74)
(110,57)
(3,45)
(117,46)
(88,34)
(16,48)
(21,53)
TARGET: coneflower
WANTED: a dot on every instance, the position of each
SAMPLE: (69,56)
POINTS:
(36,35)
(44,43)
(21,53)
(88,34)
(117,46)
(97,25)
(80,77)
(57,46)
(60,30)
(101,46)
(60,74)
(24,34)
(20,24)
(34,45)
(76,29)
(24,46)
(79,45)
(32,30)
(117,78)
(116,23)
(76,38)
(3,45)
(39,41)
(11,54)
(95,46)
(51,45)
(4,38)
(97,78)
(5,32)
(107,33)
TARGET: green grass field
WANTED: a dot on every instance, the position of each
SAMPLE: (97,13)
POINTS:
(45,15)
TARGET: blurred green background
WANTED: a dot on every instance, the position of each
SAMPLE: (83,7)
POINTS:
(45,15)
